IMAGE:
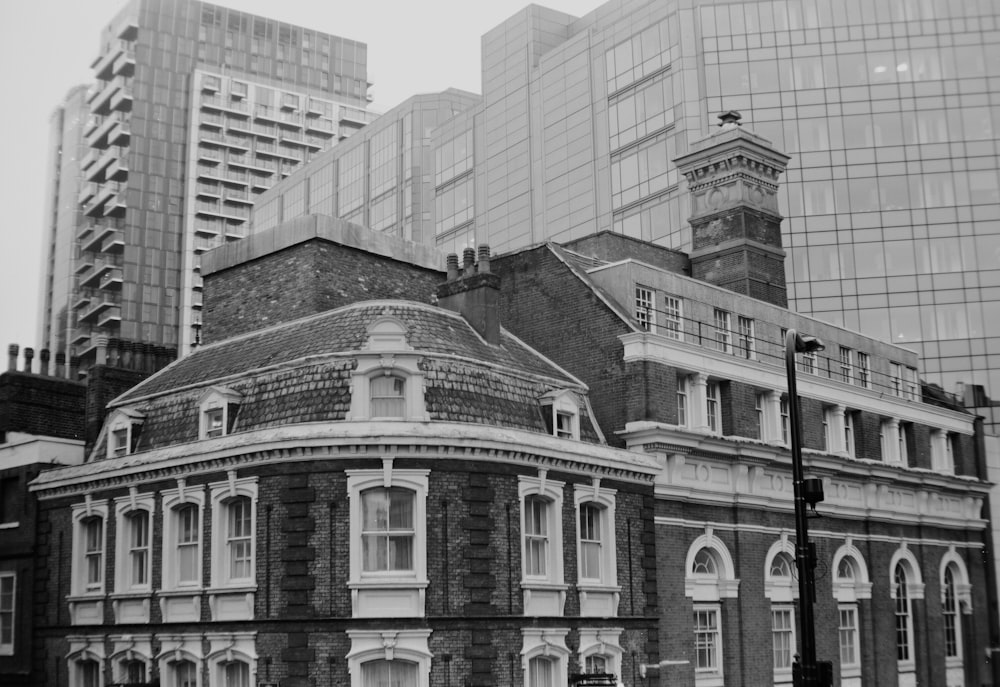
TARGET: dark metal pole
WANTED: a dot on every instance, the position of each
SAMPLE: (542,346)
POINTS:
(803,552)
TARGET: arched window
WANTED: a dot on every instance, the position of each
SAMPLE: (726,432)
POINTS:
(387,529)
(541,672)
(850,584)
(952,626)
(236,674)
(956,599)
(394,673)
(782,566)
(781,587)
(388,396)
(133,672)
(182,674)
(709,579)
(904,614)
(705,564)
(89,673)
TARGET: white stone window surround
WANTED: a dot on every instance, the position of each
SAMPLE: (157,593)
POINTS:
(604,641)
(387,353)
(123,423)
(598,596)
(783,675)
(955,665)
(175,648)
(942,456)
(128,648)
(397,592)
(131,598)
(216,399)
(914,592)
(7,647)
(551,644)
(562,402)
(712,675)
(86,599)
(83,648)
(231,598)
(543,594)
(389,645)
(181,601)
(856,588)
(709,588)
(230,647)
(780,589)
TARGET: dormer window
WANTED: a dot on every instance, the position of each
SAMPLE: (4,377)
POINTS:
(219,407)
(562,414)
(387,382)
(123,432)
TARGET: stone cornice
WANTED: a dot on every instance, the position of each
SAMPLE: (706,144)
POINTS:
(330,441)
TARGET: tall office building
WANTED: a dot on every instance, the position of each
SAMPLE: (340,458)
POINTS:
(887,108)
(195,110)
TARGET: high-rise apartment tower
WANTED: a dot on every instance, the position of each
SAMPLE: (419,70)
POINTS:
(195,110)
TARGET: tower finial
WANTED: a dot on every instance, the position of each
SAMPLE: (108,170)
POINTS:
(729,118)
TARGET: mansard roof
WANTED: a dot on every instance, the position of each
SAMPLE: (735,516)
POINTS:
(301,371)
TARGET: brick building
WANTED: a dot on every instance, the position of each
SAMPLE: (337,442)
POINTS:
(41,425)
(377,491)
(568,459)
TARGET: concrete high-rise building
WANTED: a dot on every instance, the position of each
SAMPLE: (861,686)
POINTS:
(195,110)
(888,110)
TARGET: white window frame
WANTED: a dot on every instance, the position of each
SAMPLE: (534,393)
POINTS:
(863,370)
(851,632)
(387,353)
(845,365)
(962,598)
(604,642)
(599,596)
(562,404)
(673,317)
(544,594)
(389,645)
(129,648)
(914,591)
(550,644)
(231,647)
(83,513)
(722,335)
(782,673)
(369,589)
(785,419)
(123,428)
(746,342)
(8,612)
(125,507)
(683,401)
(177,648)
(713,400)
(896,379)
(216,401)
(942,453)
(231,598)
(849,433)
(710,587)
(81,650)
(645,308)
(708,676)
(179,599)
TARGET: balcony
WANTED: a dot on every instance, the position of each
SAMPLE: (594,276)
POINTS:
(258,182)
(210,155)
(266,113)
(236,178)
(353,116)
(101,94)
(315,143)
(93,121)
(216,138)
(210,84)
(204,190)
(115,206)
(214,173)
(89,159)
(209,228)
(92,278)
(103,65)
(125,63)
(121,100)
(235,212)
(95,239)
(118,169)
(83,299)
(221,104)
(265,130)
(238,142)
(289,153)
(297,138)
(290,120)
(84,264)
(128,29)
(95,208)
(111,318)
(112,280)
(206,207)
(87,191)
(320,126)
(289,101)
(265,148)
(210,120)
(95,172)
(81,335)
(114,243)
(197,283)
(98,137)
(317,107)
(101,302)
(121,133)
(203,244)
(234,196)
(235,232)
(240,126)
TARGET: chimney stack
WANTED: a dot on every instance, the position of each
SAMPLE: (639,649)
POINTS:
(29,357)
(12,351)
(732,177)
(44,357)
(474,292)
(60,364)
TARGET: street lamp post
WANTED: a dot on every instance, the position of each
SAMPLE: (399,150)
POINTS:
(808,674)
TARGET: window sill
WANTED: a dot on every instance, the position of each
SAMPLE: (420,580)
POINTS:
(87,608)
(599,600)
(544,598)
(708,680)
(180,605)
(386,597)
(231,603)
(131,607)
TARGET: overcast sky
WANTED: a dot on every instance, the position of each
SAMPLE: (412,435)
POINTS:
(46,47)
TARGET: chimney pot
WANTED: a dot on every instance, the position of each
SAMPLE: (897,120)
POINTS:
(452,266)
(12,351)
(29,356)
(484,257)
(102,351)
(469,261)
(74,367)
(44,356)
(60,364)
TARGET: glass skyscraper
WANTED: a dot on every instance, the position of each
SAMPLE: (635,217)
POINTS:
(194,111)
(889,109)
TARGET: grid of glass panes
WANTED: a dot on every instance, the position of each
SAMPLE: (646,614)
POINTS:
(722,334)
(782,638)
(863,371)
(847,632)
(673,317)
(744,337)
(706,639)
(645,305)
